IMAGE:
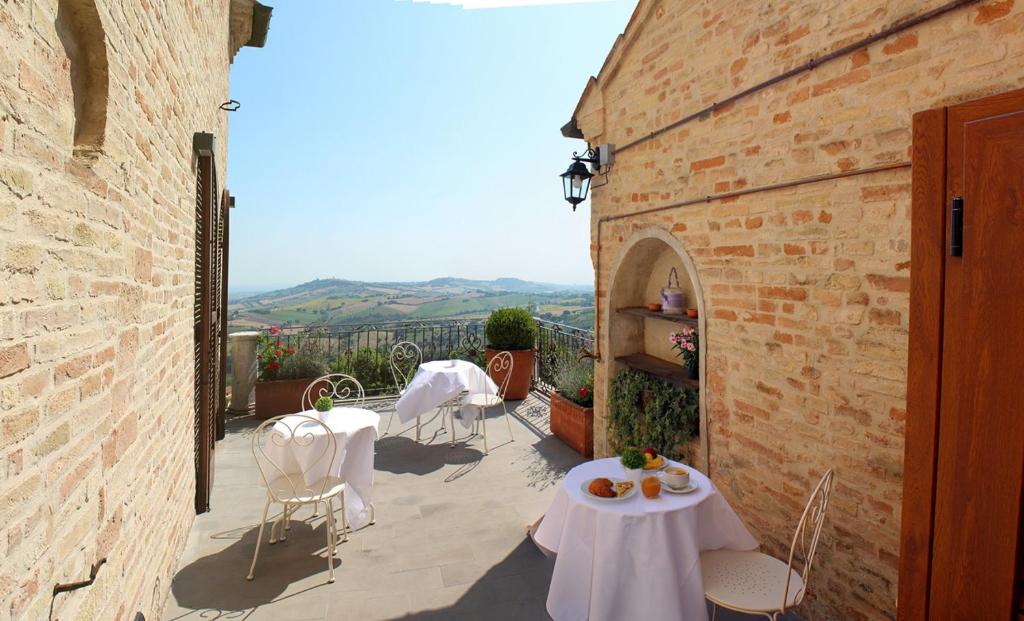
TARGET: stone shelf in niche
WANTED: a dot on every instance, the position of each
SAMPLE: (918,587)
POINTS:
(668,371)
(639,311)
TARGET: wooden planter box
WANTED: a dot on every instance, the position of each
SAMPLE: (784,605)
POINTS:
(522,372)
(280,397)
(572,424)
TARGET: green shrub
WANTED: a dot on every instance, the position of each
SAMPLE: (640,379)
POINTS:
(644,410)
(303,364)
(575,380)
(324,404)
(369,366)
(511,329)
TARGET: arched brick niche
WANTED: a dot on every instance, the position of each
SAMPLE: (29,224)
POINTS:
(81,33)
(638,274)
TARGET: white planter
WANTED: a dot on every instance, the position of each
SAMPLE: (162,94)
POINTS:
(635,475)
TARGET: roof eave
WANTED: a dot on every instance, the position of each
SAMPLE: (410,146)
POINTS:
(260,25)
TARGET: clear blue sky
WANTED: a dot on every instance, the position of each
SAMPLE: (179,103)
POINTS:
(392,140)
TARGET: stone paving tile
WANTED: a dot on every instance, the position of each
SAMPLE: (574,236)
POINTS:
(449,542)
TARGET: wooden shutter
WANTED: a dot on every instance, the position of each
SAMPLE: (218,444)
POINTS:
(205,320)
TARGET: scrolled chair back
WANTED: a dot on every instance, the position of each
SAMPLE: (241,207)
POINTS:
(805,539)
(501,363)
(277,439)
(405,359)
(341,388)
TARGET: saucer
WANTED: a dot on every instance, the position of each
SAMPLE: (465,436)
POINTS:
(679,490)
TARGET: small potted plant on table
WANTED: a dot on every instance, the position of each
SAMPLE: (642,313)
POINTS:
(633,461)
(572,406)
(512,330)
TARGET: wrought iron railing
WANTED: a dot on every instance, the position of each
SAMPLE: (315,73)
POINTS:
(558,344)
(363,350)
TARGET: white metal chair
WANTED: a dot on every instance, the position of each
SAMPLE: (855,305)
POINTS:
(405,360)
(341,388)
(289,488)
(500,363)
(755,583)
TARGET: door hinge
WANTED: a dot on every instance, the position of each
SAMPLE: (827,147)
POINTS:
(956,227)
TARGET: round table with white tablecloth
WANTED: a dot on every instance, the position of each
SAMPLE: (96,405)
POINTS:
(439,381)
(355,431)
(635,558)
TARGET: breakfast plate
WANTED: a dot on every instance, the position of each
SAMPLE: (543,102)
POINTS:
(691,486)
(664,464)
(584,487)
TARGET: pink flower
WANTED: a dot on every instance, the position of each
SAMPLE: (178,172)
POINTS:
(690,347)
(275,330)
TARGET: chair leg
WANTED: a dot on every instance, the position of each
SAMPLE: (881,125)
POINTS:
(288,518)
(483,422)
(508,421)
(332,537)
(259,538)
(316,509)
(714,611)
(344,520)
(417,428)
(278,521)
(373,514)
(451,416)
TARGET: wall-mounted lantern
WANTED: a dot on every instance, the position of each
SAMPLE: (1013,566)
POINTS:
(576,180)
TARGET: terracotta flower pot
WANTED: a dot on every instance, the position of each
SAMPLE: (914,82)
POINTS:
(522,372)
(572,424)
(280,397)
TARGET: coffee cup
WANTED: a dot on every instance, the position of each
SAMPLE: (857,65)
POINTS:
(676,477)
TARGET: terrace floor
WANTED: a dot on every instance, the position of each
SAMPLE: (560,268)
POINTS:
(449,543)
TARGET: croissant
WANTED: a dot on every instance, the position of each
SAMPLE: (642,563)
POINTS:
(602,487)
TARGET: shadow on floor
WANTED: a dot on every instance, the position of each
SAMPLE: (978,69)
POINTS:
(401,455)
(497,595)
(204,585)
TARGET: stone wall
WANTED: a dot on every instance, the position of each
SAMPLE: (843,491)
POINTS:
(96,288)
(805,288)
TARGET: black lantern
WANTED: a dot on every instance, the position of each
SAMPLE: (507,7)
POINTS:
(576,180)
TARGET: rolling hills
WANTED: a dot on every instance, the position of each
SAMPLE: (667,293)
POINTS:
(335,301)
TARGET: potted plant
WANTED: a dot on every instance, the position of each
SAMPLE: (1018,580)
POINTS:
(687,345)
(572,405)
(515,331)
(284,373)
(633,461)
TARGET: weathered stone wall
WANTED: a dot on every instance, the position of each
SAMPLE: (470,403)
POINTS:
(96,282)
(806,288)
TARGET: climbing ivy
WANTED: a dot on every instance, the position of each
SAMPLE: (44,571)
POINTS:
(644,410)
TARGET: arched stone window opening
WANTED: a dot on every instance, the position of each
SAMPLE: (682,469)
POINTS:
(638,275)
(81,33)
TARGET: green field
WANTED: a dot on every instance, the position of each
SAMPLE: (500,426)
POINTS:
(330,302)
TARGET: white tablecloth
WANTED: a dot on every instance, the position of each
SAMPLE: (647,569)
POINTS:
(637,558)
(355,430)
(439,381)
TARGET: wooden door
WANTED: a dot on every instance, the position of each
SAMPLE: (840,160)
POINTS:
(965,428)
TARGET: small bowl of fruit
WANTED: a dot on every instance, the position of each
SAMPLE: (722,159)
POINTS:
(654,461)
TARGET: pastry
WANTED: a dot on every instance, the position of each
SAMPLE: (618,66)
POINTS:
(622,488)
(601,488)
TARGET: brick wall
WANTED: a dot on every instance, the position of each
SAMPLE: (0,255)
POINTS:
(96,297)
(805,288)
